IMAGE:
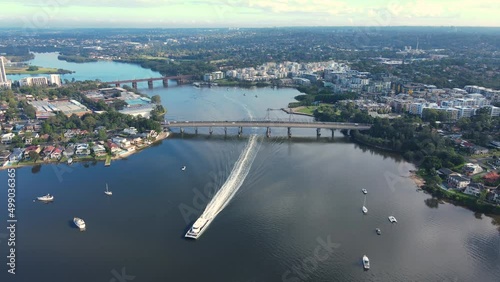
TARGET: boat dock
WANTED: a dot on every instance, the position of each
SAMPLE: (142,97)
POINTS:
(108,161)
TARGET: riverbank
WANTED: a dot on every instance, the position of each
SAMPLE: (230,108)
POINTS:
(161,136)
(301,110)
(428,184)
(419,181)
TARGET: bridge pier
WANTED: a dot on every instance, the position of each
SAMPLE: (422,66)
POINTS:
(134,85)
(165,83)
(182,130)
(333,133)
(318,132)
(196,130)
(225,131)
(289,132)
(268,132)
(150,84)
(210,130)
(240,130)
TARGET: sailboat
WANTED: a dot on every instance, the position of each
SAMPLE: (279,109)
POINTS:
(107,192)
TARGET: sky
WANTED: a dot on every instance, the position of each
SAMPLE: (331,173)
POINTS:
(246,13)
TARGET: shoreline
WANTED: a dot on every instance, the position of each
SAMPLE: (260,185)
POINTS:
(419,180)
(161,136)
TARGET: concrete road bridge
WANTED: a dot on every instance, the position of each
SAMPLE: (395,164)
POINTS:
(268,124)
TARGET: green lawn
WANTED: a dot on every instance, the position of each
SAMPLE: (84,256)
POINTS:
(308,110)
(24,70)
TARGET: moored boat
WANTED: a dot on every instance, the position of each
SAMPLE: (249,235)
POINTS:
(46,198)
(79,223)
(366,262)
(379,232)
(364,191)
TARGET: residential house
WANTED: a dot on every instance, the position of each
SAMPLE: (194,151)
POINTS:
(474,189)
(37,149)
(494,196)
(82,149)
(470,168)
(69,151)
(48,150)
(137,141)
(29,140)
(17,155)
(99,150)
(122,142)
(444,172)
(478,150)
(7,127)
(130,131)
(7,138)
(114,148)
(4,156)
(56,153)
(457,181)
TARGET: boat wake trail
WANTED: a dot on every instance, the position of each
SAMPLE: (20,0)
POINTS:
(234,181)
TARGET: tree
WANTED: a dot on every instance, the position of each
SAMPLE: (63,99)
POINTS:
(33,156)
(32,68)
(102,135)
(156,99)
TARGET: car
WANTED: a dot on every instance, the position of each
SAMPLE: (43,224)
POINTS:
(187,121)
(232,122)
(356,124)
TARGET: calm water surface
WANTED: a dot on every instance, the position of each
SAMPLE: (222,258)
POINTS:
(299,195)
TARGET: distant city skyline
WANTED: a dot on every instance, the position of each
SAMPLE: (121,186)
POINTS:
(247,13)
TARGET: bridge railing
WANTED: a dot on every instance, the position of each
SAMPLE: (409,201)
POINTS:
(274,121)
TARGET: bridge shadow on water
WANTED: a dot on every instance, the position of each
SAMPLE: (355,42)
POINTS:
(272,139)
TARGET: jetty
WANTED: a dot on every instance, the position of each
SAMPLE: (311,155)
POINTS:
(108,161)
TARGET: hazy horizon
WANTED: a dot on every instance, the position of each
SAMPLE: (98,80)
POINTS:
(247,13)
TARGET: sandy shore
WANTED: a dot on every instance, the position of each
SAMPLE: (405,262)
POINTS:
(419,181)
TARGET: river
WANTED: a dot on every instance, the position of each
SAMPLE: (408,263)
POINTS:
(296,217)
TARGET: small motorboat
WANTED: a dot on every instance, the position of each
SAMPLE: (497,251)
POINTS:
(392,219)
(379,232)
(364,191)
(46,198)
(365,210)
(79,223)
(366,262)
(183,168)
(70,160)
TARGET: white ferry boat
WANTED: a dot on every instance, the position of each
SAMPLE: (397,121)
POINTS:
(198,228)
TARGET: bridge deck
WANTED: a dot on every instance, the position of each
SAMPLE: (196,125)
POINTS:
(292,124)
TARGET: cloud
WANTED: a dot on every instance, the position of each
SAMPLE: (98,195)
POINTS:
(271,12)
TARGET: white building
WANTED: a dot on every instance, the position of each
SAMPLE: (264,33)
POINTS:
(55,79)
(4,82)
(34,81)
